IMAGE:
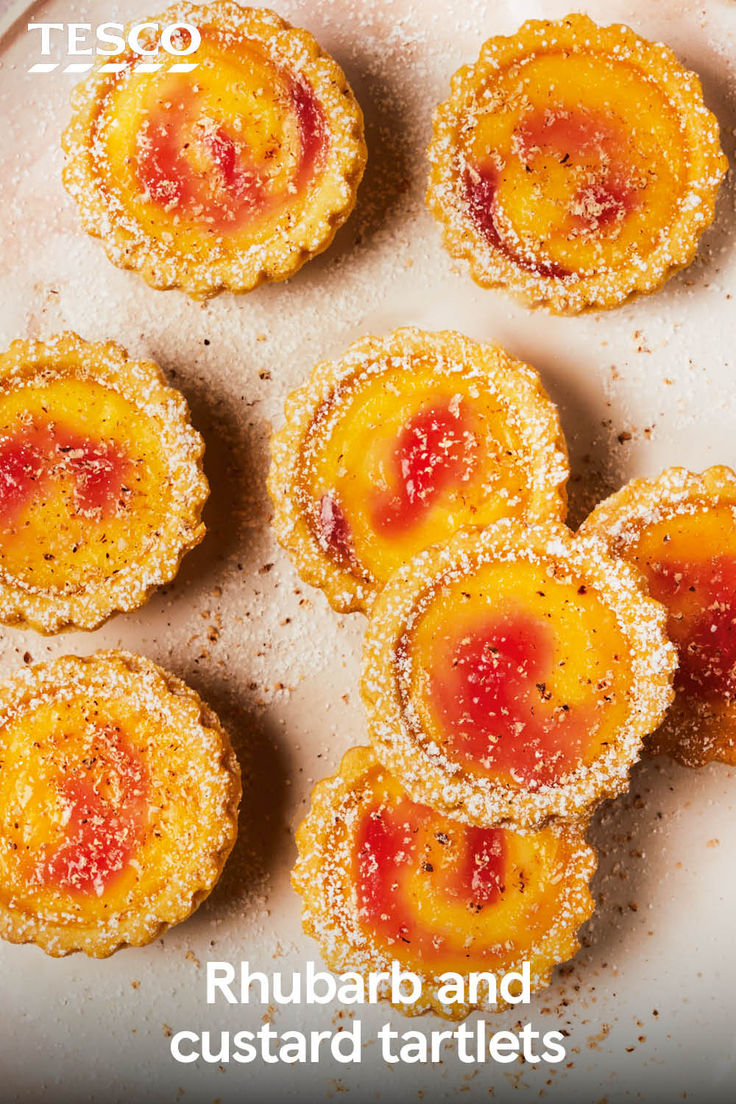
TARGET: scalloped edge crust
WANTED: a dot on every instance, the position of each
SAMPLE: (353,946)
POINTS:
(517,383)
(605,290)
(143,384)
(29,686)
(485,802)
(347,946)
(283,252)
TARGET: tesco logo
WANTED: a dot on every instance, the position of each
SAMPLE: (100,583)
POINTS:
(144,40)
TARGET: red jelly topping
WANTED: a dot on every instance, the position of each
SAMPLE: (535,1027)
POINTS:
(495,707)
(20,470)
(435,449)
(333,529)
(582,139)
(224,195)
(230,189)
(35,457)
(465,865)
(107,813)
(579,140)
(224,154)
(569,137)
(312,128)
(701,598)
(481,188)
(602,203)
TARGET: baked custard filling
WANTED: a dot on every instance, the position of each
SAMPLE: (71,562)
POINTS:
(37,456)
(80,821)
(385,478)
(449,893)
(96,813)
(558,179)
(517,676)
(118,803)
(68,496)
(689,560)
(434,455)
(241,142)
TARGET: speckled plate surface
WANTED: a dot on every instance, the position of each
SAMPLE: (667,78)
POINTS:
(649,1002)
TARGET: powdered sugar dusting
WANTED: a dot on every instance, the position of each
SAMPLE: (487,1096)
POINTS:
(639,389)
(328,840)
(463,197)
(192,805)
(530,435)
(427,770)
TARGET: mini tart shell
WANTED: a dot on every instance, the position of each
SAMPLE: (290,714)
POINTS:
(518,386)
(613,523)
(330,909)
(143,384)
(427,773)
(203,764)
(271,256)
(607,288)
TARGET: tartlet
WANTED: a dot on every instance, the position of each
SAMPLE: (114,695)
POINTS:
(119,793)
(510,675)
(223,177)
(101,483)
(575,165)
(386,879)
(401,442)
(679,530)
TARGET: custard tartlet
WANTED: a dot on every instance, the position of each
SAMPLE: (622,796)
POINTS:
(221,177)
(385,879)
(574,165)
(101,482)
(511,674)
(399,443)
(679,530)
(119,792)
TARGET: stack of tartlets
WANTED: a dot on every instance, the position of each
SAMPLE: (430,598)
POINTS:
(513,672)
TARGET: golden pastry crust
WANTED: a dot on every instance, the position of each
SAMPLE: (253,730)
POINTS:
(679,531)
(120,792)
(385,879)
(407,438)
(101,482)
(222,178)
(511,674)
(575,165)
